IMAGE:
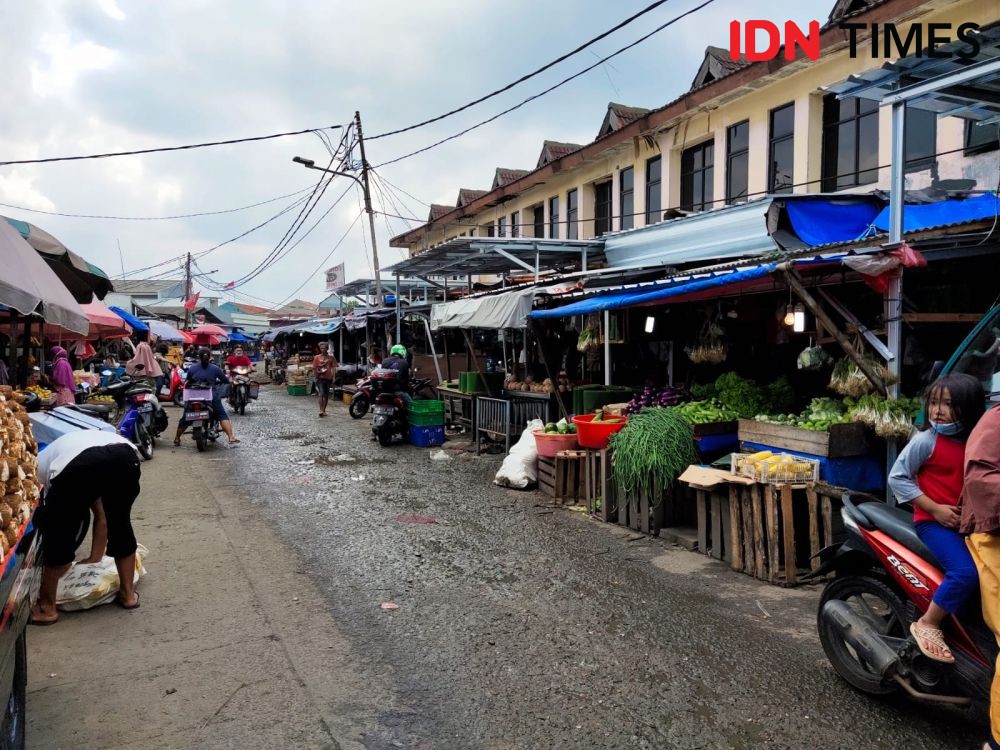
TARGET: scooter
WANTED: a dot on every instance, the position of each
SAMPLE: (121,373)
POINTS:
(885,578)
(242,389)
(363,396)
(173,389)
(198,413)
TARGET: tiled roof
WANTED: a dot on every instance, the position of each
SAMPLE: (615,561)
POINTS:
(466,195)
(716,64)
(618,116)
(438,210)
(505,176)
(552,150)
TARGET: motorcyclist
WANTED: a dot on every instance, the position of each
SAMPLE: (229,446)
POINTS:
(204,371)
(238,359)
(398,361)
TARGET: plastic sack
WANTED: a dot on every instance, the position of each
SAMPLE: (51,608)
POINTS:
(520,468)
(813,358)
(87,586)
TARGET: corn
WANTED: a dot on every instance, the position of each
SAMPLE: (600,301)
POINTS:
(759,456)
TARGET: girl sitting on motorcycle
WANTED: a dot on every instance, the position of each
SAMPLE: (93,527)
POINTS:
(929,473)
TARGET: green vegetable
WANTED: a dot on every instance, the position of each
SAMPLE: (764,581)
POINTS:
(652,449)
(779,395)
(563,428)
(739,394)
(702,412)
(598,416)
(550,427)
(571,429)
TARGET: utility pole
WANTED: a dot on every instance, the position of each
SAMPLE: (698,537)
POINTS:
(368,210)
(187,291)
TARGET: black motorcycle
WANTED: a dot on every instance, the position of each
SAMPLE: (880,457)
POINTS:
(200,414)
(242,389)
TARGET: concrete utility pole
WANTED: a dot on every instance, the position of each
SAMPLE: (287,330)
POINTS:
(368,210)
(187,291)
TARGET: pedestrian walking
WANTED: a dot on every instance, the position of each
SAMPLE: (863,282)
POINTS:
(324,366)
(79,472)
(981,521)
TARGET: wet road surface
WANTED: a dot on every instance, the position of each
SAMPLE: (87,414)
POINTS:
(523,626)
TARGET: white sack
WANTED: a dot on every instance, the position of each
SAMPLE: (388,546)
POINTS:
(520,468)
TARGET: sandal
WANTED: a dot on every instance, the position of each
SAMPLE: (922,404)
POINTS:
(234,441)
(926,636)
(123,605)
(177,442)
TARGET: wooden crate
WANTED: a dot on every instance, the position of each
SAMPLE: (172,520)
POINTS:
(563,478)
(841,440)
(599,490)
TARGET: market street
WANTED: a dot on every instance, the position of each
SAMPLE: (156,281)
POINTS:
(519,625)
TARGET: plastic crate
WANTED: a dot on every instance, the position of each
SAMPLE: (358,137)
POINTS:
(425,406)
(426,420)
(298,390)
(426,437)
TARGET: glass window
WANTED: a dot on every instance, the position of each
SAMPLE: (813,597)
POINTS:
(653,167)
(850,142)
(602,208)
(502,226)
(980,138)
(697,175)
(572,215)
(538,220)
(981,356)
(920,138)
(626,197)
(490,230)
(515,219)
(781,162)
(554,217)
(737,162)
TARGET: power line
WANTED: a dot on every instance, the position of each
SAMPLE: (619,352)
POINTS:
(154,218)
(550,89)
(163,149)
(527,76)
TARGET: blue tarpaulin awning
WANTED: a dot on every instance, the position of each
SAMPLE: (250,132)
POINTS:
(137,325)
(821,222)
(917,216)
(239,337)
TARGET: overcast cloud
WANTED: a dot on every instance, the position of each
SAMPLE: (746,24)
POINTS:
(85,76)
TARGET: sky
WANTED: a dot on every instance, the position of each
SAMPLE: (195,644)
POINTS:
(91,76)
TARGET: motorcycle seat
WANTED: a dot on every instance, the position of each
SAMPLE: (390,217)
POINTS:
(898,524)
(101,410)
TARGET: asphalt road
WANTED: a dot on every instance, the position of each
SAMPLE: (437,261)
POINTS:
(523,626)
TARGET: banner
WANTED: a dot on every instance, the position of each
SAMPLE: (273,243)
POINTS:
(190,304)
(335,278)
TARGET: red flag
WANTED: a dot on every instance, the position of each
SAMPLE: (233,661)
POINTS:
(189,304)
(230,285)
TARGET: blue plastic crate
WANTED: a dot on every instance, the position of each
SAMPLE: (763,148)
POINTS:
(426,437)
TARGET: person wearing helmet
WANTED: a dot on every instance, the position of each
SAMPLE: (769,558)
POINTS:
(205,371)
(398,361)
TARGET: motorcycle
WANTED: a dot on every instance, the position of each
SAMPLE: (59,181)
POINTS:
(173,389)
(141,419)
(242,389)
(363,396)
(885,578)
(200,415)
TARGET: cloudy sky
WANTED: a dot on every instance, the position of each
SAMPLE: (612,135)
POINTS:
(89,76)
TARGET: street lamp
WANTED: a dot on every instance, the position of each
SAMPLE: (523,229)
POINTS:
(310,164)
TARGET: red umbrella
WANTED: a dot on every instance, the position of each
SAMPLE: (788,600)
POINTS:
(206,339)
(210,330)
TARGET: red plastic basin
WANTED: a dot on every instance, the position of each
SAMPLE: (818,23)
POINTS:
(596,434)
(549,444)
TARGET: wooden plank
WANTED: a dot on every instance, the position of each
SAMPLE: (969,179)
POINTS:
(716,506)
(701,505)
(841,440)
(943,317)
(732,531)
(644,511)
(760,558)
(827,505)
(634,519)
(788,530)
(749,554)
(623,503)
(609,507)
(771,516)
(812,500)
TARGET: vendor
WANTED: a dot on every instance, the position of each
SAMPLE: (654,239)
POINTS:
(78,471)
(63,382)
(150,371)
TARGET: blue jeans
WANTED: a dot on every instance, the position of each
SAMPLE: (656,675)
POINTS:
(961,579)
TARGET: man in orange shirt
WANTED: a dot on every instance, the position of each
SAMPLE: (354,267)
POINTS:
(324,368)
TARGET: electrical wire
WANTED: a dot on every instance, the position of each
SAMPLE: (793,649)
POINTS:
(552,88)
(156,218)
(163,149)
(527,76)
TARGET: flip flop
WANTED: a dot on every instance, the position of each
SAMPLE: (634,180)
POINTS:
(924,634)
(42,623)
(122,604)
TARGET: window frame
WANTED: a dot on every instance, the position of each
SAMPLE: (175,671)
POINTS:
(554,233)
(706,170)
(980,148)
(515,218)
(920,163)
(538,220)
(573,214)
(772,141)
(607,204)
(733,155)
(626,217)
(831,183)
(656,213)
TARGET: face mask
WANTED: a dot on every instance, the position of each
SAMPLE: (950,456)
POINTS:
(947,429)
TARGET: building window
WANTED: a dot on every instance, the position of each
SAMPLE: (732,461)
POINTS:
(737,162)
(697,176)
(490,230)
(572,215)
(602,208)
(981,138)
(502,226)
(515,229)
(920,139)
(850,142)
(781,150)
(554,217)
(653,167)
(538,220)
(626,197)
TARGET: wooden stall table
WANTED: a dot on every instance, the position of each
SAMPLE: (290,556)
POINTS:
(459,407)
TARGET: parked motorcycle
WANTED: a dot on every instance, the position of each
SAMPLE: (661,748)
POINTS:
(242,389)
(362,399)
(173,389)
(136,412)
(200,415)
(885,578)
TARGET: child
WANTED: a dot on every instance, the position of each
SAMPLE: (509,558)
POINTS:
(929,474)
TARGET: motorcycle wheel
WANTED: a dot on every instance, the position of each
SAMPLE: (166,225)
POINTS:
(144,442)
(199,439)
(243,404)
(384,435)
(875,602)
(178,397)
(359,406)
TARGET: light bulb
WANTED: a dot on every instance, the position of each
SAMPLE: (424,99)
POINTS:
(650,323)
(789,315)
(799,324)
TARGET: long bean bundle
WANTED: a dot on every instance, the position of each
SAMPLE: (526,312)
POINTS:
(654,448)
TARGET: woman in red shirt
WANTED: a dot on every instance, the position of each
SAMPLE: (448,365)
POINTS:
(929,473)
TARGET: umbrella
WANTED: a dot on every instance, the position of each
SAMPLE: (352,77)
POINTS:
(166,332)
(206,339)
(137,325)
(210,330)
(83,279)
(28,283)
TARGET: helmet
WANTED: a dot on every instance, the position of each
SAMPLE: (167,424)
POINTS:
(398,349)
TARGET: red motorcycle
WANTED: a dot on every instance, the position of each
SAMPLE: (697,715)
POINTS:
(173,389)
(885,577)
(361,401)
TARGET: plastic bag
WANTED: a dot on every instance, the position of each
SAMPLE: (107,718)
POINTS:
(87,586)
(813,358)
(520,468)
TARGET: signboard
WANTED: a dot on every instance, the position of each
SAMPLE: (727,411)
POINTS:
(335,278)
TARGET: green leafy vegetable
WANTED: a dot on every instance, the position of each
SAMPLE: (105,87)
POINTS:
(652,449)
